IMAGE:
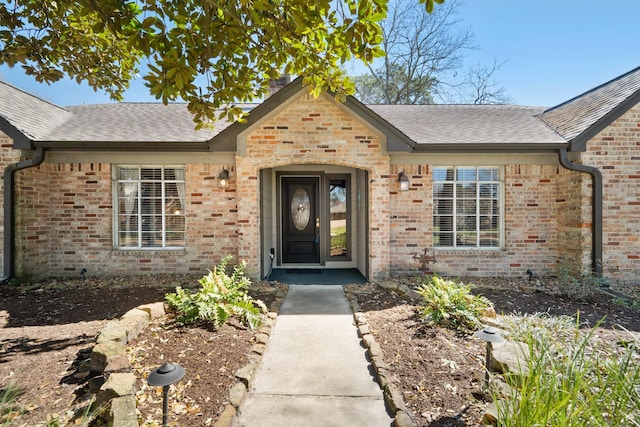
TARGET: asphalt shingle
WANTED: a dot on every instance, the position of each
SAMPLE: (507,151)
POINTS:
(452,124)
(32,116)
(424,124)
(575,116)
(134,122)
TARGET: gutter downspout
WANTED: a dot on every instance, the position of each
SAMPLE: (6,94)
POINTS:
(9,211)
(596,208)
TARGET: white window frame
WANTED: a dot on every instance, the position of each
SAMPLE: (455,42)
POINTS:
(137,183)
(457,233)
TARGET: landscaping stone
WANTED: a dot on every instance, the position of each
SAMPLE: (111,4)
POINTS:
(105,353)
(390,285)
(117,385)
(402,419)
(364,330)
(245,374)
(117,363)
(510,357)
(112,331)
(265,330)
(368,340)
(258,348)
(384,377)
(262,338)
(375,350)
(227,416)
(404,289)
(413,294)
(393,398)
(154,310)
(490,416)
(237,394)
(123,412)
(134,321)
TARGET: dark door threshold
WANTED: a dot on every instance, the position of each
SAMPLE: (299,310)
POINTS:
(331,276)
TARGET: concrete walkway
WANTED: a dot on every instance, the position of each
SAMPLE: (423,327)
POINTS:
(314,371)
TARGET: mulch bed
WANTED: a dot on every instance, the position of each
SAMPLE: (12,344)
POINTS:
(46,328)
(440,372)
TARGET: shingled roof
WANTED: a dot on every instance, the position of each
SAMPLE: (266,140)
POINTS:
(469,124)
(417,127)
(135,122)
(32,117)
(582,117)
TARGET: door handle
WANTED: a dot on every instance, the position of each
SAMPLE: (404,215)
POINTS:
(317,230)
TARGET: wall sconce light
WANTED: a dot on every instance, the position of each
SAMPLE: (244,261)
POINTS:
(223,179)
(403,180)
(163,376)
(490,335)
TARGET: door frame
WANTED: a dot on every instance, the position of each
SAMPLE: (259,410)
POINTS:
(271,216)
(301,246)
(320,200)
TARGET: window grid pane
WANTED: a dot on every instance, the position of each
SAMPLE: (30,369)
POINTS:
(150,207)
(466,203)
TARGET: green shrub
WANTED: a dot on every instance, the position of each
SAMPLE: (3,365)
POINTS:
(10,410)
(573,378)
(221,297)
(576,283)
(451,304)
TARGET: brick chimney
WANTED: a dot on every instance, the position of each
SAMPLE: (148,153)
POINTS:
(277,84)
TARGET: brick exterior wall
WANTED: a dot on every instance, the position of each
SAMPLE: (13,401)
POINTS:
(65,224)
(616,152)
(532,214)
(65,212)
(313,131)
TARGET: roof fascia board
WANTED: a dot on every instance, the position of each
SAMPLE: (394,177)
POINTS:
(579,143)
(462,148)
(478,159)
(123,146)
(140,157)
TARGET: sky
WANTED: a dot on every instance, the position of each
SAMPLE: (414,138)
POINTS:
(551,50)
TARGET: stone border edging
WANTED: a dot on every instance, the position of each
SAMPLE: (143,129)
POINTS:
(113,383)
(246,374)
(392,395)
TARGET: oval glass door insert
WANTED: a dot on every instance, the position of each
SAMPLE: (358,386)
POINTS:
(300,208)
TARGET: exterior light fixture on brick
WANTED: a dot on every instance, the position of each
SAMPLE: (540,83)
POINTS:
(163,376)
(223,179)
(403,181)
(490,335)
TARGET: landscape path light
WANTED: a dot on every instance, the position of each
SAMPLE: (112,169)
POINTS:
(163,376)
(490,335)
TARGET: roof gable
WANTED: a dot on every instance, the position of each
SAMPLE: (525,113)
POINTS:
(226,140)
(582,117)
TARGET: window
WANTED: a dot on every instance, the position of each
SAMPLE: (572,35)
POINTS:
(150,206)
(467,207)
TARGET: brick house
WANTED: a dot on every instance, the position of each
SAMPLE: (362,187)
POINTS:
(307,182)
